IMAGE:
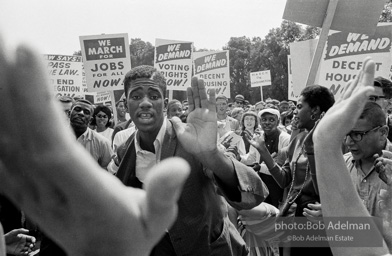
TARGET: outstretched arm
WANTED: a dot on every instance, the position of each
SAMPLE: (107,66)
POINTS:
(337,192)
(199,137)
(47,174)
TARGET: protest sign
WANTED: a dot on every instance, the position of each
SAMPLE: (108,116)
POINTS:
(65,74)
(106,61)
(260,78)
(301,54)
(174,60)
(213,68)
(290,80)
(360,16)
(344,54)
(102,98)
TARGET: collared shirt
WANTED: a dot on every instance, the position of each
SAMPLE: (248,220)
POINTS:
(145,160)
(369,186)
(373,193)
(98,146)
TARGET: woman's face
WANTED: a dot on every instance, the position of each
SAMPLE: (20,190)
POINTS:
(302,115)
(101,119)
(249,122)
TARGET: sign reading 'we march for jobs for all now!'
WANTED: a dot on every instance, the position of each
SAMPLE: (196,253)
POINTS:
(106,61)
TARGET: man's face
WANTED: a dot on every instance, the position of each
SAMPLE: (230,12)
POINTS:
(121,109)
(221,106)
(370,143)
(239,104)
(284,108)
(145,105)
(185,106)
(259,107)
(269,122)
(81,114)
(374,97)
(66,108)
(174,110)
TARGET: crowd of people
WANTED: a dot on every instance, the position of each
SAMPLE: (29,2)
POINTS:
(204,176)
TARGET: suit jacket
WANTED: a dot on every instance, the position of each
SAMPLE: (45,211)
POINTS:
(202,226)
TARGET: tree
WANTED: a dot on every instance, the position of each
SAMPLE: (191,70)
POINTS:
(386,15)
(142,53)
(268,54)
(239,53)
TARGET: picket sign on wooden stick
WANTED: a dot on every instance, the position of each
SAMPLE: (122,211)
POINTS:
(322,41)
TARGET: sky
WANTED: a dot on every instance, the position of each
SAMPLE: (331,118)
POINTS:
(54,26)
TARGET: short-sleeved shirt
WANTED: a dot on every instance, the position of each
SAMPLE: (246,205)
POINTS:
(98,146)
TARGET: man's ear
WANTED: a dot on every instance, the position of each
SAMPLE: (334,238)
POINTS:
(2,242)
(384,130)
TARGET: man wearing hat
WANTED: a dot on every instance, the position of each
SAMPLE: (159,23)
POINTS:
(239,101)
(284,106)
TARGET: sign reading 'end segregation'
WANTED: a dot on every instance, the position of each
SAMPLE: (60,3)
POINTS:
(65,74)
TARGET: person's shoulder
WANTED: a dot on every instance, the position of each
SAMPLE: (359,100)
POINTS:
(122,125)
(99,137)
(284,135)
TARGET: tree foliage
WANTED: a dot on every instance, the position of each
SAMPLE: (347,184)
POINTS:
(258,54)
(386,15)
(142,53)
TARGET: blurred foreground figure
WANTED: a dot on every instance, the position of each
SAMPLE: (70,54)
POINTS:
(56,182)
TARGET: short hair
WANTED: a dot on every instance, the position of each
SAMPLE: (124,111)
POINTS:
(104,109)
(249,113)
(287,114)
(260,102)
(221,97)
(145,71)
(385,84)
(270,105)
(66,99)
(172,102)
(119,101)
(317,95)
(283,102)
(84,101)
(236,110)
(374,114)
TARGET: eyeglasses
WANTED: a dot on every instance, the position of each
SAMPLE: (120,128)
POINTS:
(102,116)
(358,136)
(376,98)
